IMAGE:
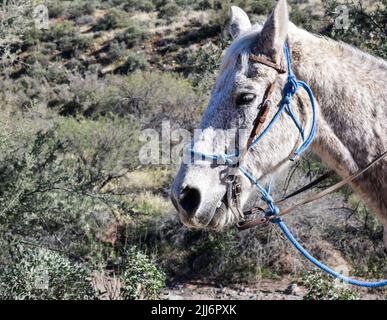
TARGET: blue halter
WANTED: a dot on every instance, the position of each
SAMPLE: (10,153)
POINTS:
(291,87)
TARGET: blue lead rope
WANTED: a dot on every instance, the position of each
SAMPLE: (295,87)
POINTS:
(290,89)
(322,266)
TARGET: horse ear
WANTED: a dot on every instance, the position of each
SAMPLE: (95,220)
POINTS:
(275,29)
(239,22)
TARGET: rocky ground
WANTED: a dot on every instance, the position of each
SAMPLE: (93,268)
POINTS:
(266,289)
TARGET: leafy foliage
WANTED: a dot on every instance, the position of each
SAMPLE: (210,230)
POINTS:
(366,27)
(112,19)
(141,279)
(51,182)
(40,274)
(169,10)
(322,287)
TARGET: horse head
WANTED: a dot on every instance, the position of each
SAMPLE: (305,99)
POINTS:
(200,189)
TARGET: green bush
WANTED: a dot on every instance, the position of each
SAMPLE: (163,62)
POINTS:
(55,9)
(67,38)
(114,18)
(262,7)
(132,35)
(139,5)
(79,8)
(115,51)
(32,37)
(323,287)
(169,10)
(37,57)
(366,26)
(51,179)
(203,5)
(146,6)
(154,96)
(202,65)
(75,44)
(59,30)
(41,274)
(134,62)
(50,73)
(141,278)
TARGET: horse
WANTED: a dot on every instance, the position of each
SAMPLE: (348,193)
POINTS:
(350,116)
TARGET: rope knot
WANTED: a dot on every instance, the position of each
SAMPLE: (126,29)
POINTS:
(287,99)
(275,211)
(292,85)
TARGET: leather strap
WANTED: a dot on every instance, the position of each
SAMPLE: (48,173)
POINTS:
(308,186)
(263,112)
(267,62)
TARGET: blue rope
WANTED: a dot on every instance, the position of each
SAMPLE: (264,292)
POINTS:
(290,89)
(322,266)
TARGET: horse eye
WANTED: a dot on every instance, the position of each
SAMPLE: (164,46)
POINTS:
(245,98)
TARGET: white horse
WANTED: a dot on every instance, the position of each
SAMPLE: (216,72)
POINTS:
(351,98)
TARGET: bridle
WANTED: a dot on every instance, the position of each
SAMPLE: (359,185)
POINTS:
(234,163)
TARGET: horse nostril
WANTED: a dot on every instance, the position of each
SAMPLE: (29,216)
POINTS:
(190,200)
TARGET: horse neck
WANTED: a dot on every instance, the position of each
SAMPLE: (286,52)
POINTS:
(349,87)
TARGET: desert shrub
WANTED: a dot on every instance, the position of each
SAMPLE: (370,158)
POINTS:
(141,278)
(107,145)
(115,51)
(51,73)
(72,46)
(202,65)
(114,18)
(37,274)
(51,179)
(322,287)
(142,5)
(94,68)
(55,9)
(149,96)
(79,8)
(37,57)
(88,19)
(203,5)
(146,6)
(62,29)
(16,23)
(32,37)
(153,96)
(169,10)
(262,7)
(306,17)
(132,35)
(67,38)
(133,62)
(221,256)
(16,18)
(89,95)
(365,28)
(74,65)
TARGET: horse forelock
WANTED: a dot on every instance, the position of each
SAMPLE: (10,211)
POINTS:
(236,59)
